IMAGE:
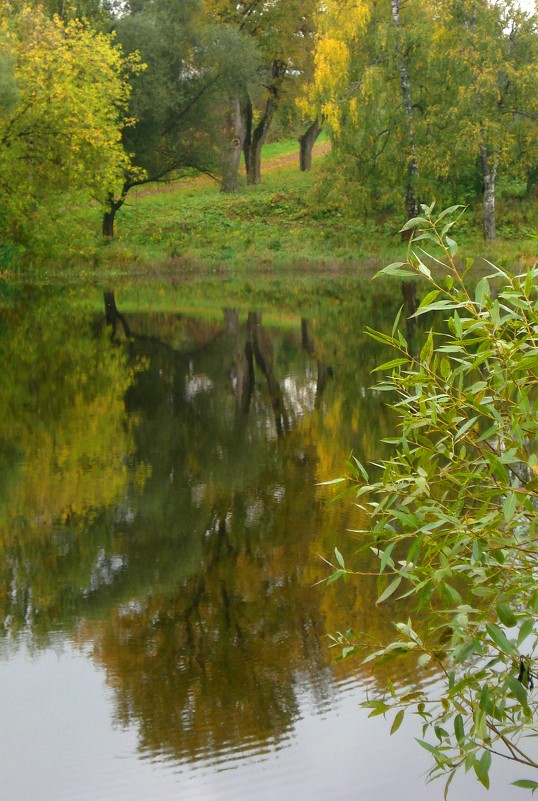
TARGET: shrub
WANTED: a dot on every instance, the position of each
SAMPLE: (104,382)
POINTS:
(453,510)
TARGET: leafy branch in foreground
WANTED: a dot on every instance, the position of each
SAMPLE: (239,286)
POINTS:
(453,511)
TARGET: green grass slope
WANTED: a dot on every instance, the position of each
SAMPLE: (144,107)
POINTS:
(278,227)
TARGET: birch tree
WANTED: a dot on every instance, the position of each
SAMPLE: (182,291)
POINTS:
(367,59)
(483,105)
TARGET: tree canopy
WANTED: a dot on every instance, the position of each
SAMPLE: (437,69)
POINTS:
(425,97)
(64,105)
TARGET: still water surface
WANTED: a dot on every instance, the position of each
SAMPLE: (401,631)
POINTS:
(161,527)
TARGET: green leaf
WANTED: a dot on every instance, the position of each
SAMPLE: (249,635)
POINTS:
(451,245)
(447,785)
(427,349)
(509,506)
(526,784)
(481,291)
(386,558)
(390,365)
(414,223)
(459,730)
(339,558)
(482,768)
(464,651)
(518,690)
(438,305)
(506,616)
(360,467)
(445,367)
(431,296)
(457,325)
(499,638)
(421,267)
(396,269)
(525,631)
(393,586)
(397,722)
(336,575)
(377,707)
(431,748)
(396,322)
(465,427)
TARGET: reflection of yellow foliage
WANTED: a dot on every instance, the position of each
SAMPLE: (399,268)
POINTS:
(68,424)
(79,467)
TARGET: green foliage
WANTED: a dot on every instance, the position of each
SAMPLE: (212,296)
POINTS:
(452,86)
(452,512)
(191,227)
(192,64)
(62,106)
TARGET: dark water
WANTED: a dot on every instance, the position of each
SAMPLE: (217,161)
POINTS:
(161,528)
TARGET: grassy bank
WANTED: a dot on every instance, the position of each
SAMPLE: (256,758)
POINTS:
(276,228)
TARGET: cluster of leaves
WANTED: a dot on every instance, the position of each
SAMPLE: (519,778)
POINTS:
(450,84)
(453,511)
(63,105)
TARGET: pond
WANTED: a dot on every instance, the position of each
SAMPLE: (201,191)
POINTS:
(163,535)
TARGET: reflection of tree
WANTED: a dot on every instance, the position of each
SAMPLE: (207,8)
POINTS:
(216,662)
(65,452)
(262,348)
(113,316)
(171,511)
(216,651)
(324,371)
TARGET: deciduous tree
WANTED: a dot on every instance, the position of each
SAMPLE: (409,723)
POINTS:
(63,108)
(193,66)
(483,99)
(283,33)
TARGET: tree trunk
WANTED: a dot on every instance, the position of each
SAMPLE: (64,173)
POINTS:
(247,145)
(235,139)
(411,200)
(259,134)
(306,143)
(108,222)
(532,180)
(489,173)
(112,207)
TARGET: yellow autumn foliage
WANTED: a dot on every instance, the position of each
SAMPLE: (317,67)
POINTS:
(63,132)
(340,26)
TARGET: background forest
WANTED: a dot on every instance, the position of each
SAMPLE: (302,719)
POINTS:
(416,99)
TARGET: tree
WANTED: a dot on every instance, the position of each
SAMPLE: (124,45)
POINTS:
(192,64)
(283,33)
(60,130)
(483,72)
(367,60)
(453,512)
(449,87)
(306,142)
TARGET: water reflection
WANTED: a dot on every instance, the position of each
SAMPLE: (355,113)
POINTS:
(159,506)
